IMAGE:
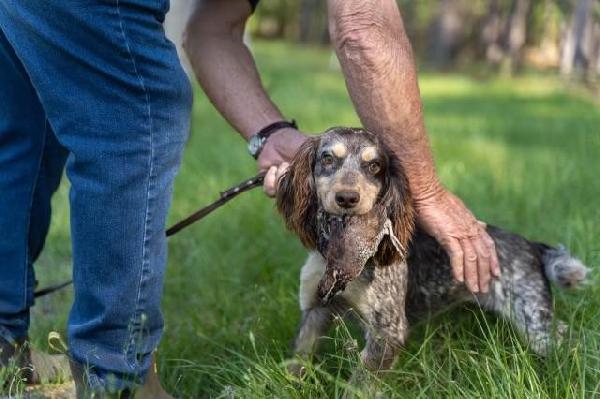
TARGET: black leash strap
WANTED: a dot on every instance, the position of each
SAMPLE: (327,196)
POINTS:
(51,289)
(224,198)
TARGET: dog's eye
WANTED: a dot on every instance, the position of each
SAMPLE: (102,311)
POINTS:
(327,160)
(374,168)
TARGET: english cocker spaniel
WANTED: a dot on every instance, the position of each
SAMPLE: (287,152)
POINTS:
(346,196)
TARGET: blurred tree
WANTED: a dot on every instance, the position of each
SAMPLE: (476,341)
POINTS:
(580,41)
(313,22)
(277,19)
(306,15)
(515,34)
(491,28)
(448,31)
(593,71)
(505,34)
(543,35)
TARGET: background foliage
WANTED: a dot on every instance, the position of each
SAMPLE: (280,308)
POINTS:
(499,35)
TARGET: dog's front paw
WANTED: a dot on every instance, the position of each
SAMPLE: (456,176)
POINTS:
(363,384)
(296,369)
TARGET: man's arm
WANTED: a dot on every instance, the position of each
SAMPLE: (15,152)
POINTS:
(380,73)
(377,61)
(213,41)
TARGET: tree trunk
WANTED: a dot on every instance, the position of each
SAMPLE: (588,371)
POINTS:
(325,38)
(491,33)
(593,69)
(307,13)
(575,54)
(447,32)
(516,34)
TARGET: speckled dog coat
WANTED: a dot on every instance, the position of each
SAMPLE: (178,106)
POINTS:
(346,272)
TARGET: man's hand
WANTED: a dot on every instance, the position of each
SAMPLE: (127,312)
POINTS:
(276,155)
(472,252)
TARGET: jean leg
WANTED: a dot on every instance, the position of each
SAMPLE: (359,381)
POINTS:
(24,202)
(117,99)
(50,173)
(49,177)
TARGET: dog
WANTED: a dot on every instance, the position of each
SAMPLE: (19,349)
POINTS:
(347,198)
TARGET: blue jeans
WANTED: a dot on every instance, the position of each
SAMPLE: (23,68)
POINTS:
(96,85)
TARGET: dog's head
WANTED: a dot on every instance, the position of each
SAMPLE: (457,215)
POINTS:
(346,171)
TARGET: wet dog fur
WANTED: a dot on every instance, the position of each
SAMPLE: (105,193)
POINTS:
(347,172)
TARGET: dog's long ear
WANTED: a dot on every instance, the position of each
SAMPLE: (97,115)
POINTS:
(396,200)
(296,195)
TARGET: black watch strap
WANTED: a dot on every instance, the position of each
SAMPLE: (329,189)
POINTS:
(268,130)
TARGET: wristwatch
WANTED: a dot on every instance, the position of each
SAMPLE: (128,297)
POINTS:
(258,141)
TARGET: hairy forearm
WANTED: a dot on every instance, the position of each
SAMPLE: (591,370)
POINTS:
(376,57)
(226,70)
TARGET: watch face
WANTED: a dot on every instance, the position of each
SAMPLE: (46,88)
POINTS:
(254,144)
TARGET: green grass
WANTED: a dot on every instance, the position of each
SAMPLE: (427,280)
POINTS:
(523,154)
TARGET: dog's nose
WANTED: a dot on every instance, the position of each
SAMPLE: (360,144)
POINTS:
(347,199)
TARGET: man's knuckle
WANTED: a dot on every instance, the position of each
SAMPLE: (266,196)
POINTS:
(457,252)
(457,266)
(449,240)
(446,242)
(471,269)
(484,273)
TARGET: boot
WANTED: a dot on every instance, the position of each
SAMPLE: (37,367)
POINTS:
(152,389)
(35,367)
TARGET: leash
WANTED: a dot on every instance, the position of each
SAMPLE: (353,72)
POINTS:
(224,197)
(53,288)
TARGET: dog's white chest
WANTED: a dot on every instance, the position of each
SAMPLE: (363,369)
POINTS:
(312,272)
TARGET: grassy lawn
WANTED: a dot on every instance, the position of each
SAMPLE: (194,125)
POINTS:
(523,154)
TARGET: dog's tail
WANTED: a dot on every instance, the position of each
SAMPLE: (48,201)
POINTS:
(561,267)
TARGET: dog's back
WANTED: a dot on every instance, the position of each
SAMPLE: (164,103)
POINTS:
(522,293)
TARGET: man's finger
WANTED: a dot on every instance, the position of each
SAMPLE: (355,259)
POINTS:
(270,180)
(483,264)
(494,264)
(283,167)
(456,258)
(470,261)
(264,162)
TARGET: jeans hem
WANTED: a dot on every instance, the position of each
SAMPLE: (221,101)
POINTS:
(7,336)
